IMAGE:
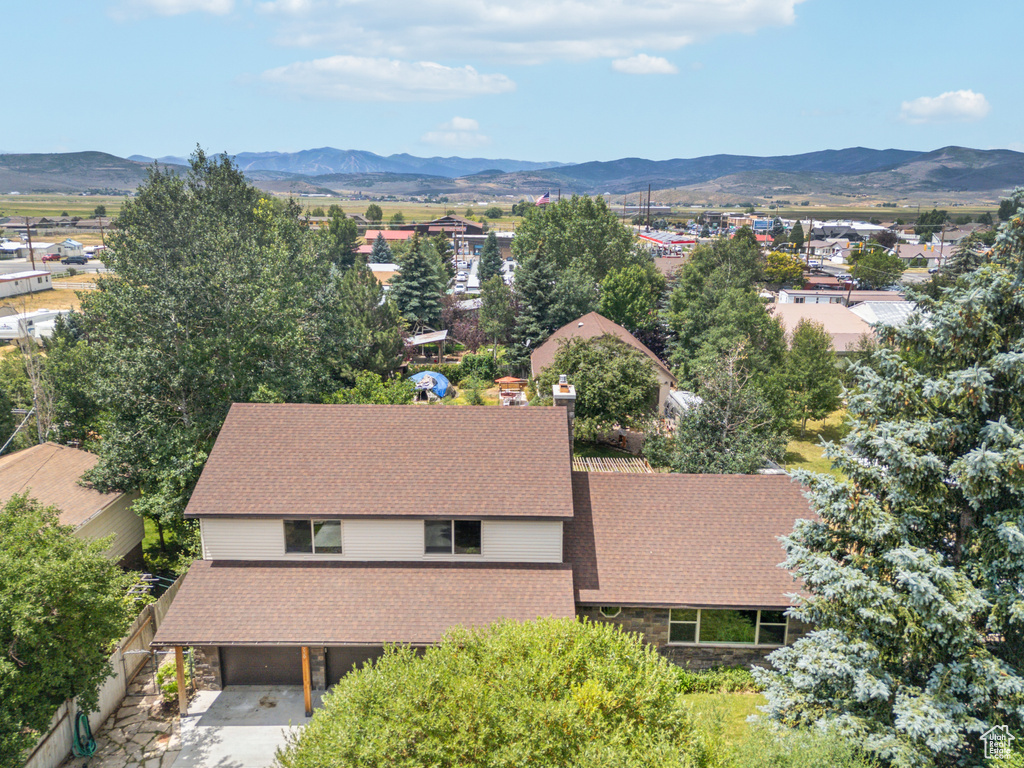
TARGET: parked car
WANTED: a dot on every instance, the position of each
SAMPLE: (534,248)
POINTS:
(51,256)
(460,288)
(462,264)
(74,260)
(462,277)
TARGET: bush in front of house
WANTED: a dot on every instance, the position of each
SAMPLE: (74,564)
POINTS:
(555,692)
(717,680)
(167,680)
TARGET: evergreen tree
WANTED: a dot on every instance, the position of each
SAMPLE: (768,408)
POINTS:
(796,236)
(533,287)
(490,259)
(416,289)
(970,254)
(812,379)
(445,254)
(913,571)
(381,253)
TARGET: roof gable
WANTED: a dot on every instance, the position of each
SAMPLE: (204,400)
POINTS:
(590,326)
(292,460)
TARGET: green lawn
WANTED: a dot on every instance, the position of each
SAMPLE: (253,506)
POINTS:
(728,711)
(806,452)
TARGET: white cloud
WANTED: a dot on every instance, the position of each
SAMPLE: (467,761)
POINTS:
(508,30)
(285,6)
(130,8)
(457,133)
(952,105)
(358,78)
(642,64)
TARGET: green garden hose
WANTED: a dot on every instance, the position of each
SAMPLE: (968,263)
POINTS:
(83,744)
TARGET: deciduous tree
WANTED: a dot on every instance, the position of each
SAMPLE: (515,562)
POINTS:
(812,380)
(783,269)
(371,389)
(875,268)
(630,296)
(497,311)
(615,383)
(63,604)
(374,214)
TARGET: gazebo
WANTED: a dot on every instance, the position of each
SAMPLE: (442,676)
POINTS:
(511,391)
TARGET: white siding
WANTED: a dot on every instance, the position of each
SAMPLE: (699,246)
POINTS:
(120,520)
(523,541)
(509,541)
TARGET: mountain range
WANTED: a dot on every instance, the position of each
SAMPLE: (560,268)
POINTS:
(943,175)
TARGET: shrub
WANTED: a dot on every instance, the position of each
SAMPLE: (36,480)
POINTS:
(803,748)
(481,366)
(717,680)
(555,692)
(167,680)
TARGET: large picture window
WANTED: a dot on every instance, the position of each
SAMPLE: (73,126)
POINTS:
(726,627)
(452,537)
(312,537)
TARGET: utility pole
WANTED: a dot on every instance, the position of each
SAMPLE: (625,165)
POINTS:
(648,207)
(31,255)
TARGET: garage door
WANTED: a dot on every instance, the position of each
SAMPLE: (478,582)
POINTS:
(264,665)
(341,659)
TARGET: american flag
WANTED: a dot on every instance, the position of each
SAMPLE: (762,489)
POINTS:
(543,199)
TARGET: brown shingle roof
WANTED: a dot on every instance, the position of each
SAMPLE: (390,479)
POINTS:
(50,473)
(387,460)
(844,326)
(223,603)
(684,540)
(587,327)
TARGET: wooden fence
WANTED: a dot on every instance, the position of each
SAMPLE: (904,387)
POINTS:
(128,658)
(628,464)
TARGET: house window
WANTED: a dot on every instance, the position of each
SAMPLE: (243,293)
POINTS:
(312,537)
(726,627)
(452,537)
(798,300)
(610,611)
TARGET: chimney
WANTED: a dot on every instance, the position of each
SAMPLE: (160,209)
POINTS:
(564,394)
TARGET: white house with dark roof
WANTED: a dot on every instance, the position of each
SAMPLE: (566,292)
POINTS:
(329,531)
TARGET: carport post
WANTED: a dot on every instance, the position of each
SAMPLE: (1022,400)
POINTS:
(179,663)
(307,693)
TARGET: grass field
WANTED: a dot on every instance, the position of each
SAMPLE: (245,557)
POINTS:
(55,299)
(729,711)
(806,452)
(56,205)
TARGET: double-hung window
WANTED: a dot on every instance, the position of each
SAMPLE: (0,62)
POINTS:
(726,627)
(452,537)
(312,537)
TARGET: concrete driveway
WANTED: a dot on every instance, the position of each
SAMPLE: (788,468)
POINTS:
(240,727)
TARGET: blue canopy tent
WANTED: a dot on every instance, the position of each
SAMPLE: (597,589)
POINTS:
(432,381)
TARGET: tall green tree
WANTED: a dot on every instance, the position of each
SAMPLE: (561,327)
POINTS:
(875,268)
(913,569)
(615,384)
(580,230)
(497,311)
(381,253)
(733,430)
(371,389)
(63,605)
(397,219)
(797,237)
(534,279)
(358,328)
(490,259)
(630,296)
(783,269)
(416,289)
(573,295)
(212,303)
(70,373)
(341,241)
(812,380)
(374,214)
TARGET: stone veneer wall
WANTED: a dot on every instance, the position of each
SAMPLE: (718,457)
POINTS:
(206,673)
(652,624)
(318,668)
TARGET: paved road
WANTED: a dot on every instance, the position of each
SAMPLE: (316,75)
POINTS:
(54,267)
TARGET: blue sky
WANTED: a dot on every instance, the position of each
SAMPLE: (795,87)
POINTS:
(565,80)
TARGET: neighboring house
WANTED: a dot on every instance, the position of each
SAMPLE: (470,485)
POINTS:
(384,272)
(848,298)
(389,235)
(50,473)
(18,283)
(845,327)
(448,225)
(390,524)
(589,326)
(932,254)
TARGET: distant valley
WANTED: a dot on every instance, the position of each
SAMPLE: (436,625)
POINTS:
(856,175)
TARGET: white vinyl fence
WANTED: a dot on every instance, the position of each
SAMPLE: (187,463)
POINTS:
(128,658)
